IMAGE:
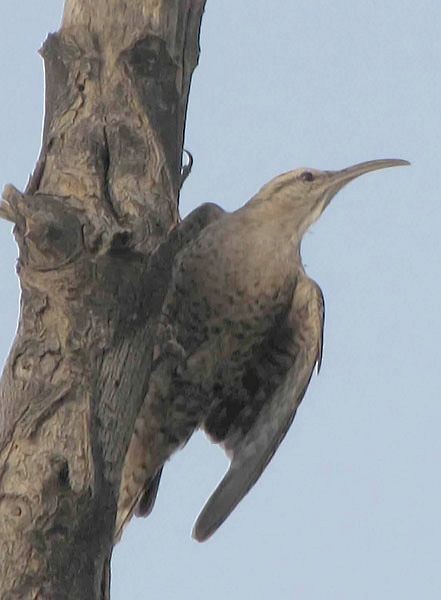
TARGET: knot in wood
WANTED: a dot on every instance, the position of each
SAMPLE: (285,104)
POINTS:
(48,232)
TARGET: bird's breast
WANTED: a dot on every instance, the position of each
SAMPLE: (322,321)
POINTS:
(232,281)
(239,259)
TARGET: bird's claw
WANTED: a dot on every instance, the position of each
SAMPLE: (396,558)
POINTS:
(186,169)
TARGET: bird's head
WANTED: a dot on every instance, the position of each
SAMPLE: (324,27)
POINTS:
(302,195)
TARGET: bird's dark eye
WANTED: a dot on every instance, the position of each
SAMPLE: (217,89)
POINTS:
(307,176)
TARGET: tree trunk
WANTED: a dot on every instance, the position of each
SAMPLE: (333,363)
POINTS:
(94,259)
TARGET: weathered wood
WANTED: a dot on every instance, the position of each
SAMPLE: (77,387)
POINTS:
(102,197)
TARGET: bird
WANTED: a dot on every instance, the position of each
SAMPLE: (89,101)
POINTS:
(238,339)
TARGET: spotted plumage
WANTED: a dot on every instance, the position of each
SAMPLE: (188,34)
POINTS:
(239,336)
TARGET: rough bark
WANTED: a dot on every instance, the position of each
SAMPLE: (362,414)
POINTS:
(101,201)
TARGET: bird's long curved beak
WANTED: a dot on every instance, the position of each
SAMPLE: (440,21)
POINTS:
(338,179)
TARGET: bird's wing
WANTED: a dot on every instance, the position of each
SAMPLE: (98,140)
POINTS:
(252,453)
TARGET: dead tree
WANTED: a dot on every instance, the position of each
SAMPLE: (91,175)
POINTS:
(93,229)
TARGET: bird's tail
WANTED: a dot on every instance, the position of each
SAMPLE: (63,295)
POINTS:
(249,459)
(251,455)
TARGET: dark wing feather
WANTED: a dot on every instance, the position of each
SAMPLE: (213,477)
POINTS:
(252,453)
(148,497)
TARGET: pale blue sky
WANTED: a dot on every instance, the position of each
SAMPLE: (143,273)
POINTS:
(349,508)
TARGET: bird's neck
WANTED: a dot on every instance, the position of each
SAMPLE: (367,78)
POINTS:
(287,220)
